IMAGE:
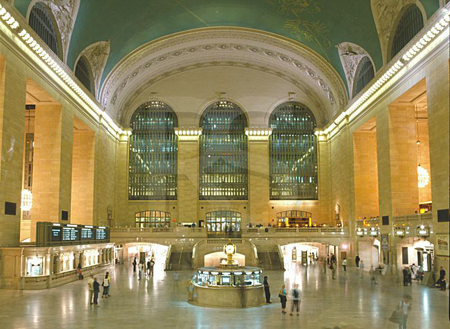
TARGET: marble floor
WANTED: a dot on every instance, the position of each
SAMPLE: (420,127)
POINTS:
(160,302)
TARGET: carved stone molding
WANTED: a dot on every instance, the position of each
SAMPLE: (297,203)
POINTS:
(386,16)
(65,13)
(351,55)
(97,54)
(223,43)
(129,104)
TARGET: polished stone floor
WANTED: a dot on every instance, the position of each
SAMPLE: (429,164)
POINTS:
(160,302)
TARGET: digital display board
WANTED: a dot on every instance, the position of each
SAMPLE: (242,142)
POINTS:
(87,233)
(59,234)
(101,234)
(70,234)
(56,234)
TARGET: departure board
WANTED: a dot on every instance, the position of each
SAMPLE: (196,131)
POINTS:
(59,234)
(87,233)
(56,234)
(101,234)
(70,234)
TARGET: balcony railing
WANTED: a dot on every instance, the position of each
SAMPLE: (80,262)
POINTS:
(201,232)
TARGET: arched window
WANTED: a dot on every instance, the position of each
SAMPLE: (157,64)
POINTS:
(293,153)
(223,222)
(83,73)
(153,153)
(223,153)
(41,21)
(364,74)
(410,24)
(152,218)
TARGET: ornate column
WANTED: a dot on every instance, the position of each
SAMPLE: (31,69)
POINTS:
(258,175)
(188,179)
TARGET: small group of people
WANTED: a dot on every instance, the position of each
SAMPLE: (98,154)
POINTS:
(295,293)
(94,288)
(407,276)
(144,268)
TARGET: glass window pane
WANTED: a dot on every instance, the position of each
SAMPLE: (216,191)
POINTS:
(223,153)
(293,154)
(153,153)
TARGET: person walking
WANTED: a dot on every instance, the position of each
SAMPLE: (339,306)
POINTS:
(96,291)
(152,264)
(357,260)
(344,264)
(441,281)
(324,266)
(333,259)
(134,264)
(296,294)
(267,290)
(79,273)
(333,270)
(105,284)
(91,289)
(405,276)
(141,269)
(404,307)
(372,275)
(361,268)
(283,298)
(148,267)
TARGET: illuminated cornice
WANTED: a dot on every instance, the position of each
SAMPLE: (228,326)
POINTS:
(435,33)
(22,35)
(255,134)
(188,134)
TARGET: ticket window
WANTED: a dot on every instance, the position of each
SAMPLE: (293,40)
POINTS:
(35,266)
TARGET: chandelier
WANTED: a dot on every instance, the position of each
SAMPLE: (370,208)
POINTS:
(27,200)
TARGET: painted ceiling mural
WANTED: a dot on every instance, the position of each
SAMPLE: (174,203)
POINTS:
(319,24)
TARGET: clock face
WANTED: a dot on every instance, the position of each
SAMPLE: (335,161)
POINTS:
(229,249)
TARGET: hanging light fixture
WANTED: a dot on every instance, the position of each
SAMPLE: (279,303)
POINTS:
(423,178)
(26,201)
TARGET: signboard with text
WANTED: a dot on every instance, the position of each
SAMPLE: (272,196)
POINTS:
(57,234)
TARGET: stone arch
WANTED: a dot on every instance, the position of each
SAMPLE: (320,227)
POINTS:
(240,47)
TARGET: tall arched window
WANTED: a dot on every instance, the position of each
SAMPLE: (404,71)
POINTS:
(223,153)
(153,153)
(364,74)
(41,21)
(293,153)
(83,73)
(410,24)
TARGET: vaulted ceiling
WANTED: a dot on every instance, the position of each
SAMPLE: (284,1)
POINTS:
(318,24)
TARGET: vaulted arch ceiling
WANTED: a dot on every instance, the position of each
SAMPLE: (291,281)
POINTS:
(245,48)
(319,25)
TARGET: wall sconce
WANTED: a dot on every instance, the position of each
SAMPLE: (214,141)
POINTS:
(399,231)
(423,231)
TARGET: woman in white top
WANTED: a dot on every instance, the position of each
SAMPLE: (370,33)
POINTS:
(404,307)
(105,285)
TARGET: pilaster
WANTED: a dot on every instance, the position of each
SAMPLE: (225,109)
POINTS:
(12,125)
(188,174)
(258,175)
(52,178)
